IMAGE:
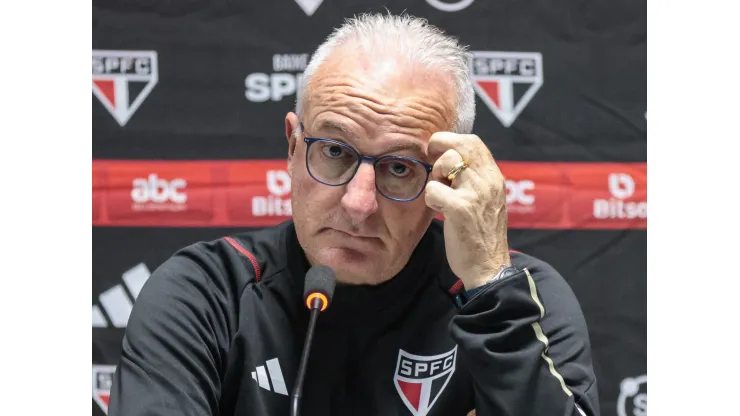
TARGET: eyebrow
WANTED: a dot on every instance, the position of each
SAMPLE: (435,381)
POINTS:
(327,125)
(413,146)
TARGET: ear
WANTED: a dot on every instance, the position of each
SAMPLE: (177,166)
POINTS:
(291,124)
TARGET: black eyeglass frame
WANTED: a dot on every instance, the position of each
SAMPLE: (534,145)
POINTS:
(363,159)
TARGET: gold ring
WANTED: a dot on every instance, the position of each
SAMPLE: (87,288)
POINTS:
(456,170)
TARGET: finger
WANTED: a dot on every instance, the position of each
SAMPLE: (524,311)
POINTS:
(444,164)
(442,198)
(469,146)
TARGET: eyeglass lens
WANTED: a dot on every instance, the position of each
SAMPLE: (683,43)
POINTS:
(395,177)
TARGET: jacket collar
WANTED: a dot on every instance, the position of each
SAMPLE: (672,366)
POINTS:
(360,302)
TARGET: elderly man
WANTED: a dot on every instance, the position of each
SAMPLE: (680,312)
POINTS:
(428,317)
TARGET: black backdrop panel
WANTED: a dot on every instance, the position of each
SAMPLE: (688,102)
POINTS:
(590,107)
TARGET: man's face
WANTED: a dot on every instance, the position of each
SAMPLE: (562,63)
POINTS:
(378,108)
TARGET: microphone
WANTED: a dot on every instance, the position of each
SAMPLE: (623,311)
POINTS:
(317,294)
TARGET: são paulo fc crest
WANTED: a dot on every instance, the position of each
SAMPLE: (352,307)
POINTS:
(506,81)
(102,378)
(123,79)
(420,380)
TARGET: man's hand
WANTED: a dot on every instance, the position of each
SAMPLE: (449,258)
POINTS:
(473,204)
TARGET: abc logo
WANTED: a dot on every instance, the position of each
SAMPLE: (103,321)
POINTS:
(519,192)
(158,190)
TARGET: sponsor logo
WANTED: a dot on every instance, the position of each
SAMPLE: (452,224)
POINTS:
(155,194)
(123,79)
(607,195)
(420,380)
(535,194)
(116,303)
(309,6)
(621,188)
(102,379)
(276,203)
(280,84)
(450,6)
(160,193)
(506,81)
(260,193)
(519,197)
(632,400)
(275,378)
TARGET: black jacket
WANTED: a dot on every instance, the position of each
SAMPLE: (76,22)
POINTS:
(218,329)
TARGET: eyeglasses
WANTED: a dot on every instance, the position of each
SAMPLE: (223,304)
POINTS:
(333,163)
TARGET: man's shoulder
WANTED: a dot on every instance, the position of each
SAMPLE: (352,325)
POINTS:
(263,250)
(231,261)
(262,241)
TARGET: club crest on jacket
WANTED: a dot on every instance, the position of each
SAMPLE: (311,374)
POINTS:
(420,379)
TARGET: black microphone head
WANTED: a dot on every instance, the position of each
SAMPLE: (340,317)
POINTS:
(320,283)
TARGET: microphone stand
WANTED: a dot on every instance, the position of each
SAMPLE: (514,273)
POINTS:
(298,389)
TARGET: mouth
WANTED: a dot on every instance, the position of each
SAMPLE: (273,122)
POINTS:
(349,236)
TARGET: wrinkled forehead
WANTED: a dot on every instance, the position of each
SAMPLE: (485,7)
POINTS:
(388,91)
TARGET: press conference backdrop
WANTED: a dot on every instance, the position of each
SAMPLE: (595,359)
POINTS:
(188,105)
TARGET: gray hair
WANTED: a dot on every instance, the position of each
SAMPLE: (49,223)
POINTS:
(412,37)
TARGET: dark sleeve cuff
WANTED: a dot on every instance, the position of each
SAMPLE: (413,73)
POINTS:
(470,293)
(465,295)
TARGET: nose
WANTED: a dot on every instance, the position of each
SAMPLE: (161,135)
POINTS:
(361,199)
